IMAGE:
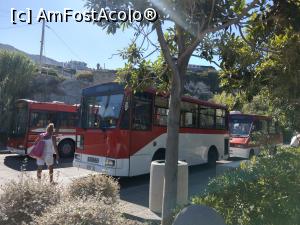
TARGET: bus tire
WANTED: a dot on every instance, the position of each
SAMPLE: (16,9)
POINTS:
(212,157)
(66,148)
(251,154)
(160,154)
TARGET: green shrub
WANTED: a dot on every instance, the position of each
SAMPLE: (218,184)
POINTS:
(49,71)
(85,75)
(69,70)
(264,191)
(25,198)
(98,186)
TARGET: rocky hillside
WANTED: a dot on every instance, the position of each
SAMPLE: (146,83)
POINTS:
(68,89)
(35,58)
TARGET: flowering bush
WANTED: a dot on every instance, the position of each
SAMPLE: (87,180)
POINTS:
(98,186)
(25,198)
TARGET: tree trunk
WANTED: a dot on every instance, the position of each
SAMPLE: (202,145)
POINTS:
(170,184)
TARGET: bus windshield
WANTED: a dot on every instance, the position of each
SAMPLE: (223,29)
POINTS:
(101,111)
(240,126)
(19,123)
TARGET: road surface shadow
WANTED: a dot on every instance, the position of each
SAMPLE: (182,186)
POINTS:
(136,189)
(25,163)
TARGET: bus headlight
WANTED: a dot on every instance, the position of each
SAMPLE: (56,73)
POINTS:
(77,156)
(110,162)
(21,146)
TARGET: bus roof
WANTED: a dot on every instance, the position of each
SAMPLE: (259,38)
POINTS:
(252,116)
(51,106)
(114,87)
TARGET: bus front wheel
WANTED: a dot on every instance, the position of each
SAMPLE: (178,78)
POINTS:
(160,154)
(66,148)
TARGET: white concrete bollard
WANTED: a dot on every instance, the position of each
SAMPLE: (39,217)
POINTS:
(157,173)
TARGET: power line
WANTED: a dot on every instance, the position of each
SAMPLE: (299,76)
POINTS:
(64,43)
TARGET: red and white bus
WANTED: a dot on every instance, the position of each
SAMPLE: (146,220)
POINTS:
(121,132)
(244,143)
(30,118)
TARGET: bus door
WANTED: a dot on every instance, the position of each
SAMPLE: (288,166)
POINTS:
(141,132)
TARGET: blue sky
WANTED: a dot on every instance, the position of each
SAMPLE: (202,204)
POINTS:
(81,41)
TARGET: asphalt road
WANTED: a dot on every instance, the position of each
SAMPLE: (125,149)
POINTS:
(133,189)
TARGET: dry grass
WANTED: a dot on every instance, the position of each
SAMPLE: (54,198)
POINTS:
(91,200)
(81,211)
(23,199)
(97,186)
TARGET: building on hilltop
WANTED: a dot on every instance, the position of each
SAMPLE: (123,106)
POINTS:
(198,68)
(76,65)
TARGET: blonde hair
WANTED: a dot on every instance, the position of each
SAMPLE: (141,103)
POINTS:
(50,128)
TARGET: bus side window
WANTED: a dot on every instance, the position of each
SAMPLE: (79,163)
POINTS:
(124,124)
(256,126)
(67,119)
(188,115)
(142,111)
(264,126)
(277,128)
(207,117)
(272,127)
(221,119)
(42,119)
(161,111)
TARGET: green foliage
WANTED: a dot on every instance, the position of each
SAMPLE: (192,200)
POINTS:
(26,198)
(69,70)
(263,191)
(226,99)
(85,75)
(178,35)
(16,74)
(265,68)
(144,74)
(49,71)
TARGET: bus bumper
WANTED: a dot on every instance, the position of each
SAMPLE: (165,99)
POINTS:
(17,151)
(121,167)
(239,152)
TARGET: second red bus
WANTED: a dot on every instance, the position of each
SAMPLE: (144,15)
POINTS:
(30,118)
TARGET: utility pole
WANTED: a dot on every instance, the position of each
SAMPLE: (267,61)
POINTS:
(42,44)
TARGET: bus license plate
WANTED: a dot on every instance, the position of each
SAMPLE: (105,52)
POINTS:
(90,167)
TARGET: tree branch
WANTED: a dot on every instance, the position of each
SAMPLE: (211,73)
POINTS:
(189,51)
(211,61)
(253,46)
(166,51)
(211,12)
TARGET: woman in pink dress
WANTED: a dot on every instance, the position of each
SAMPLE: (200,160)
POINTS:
(49,149)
